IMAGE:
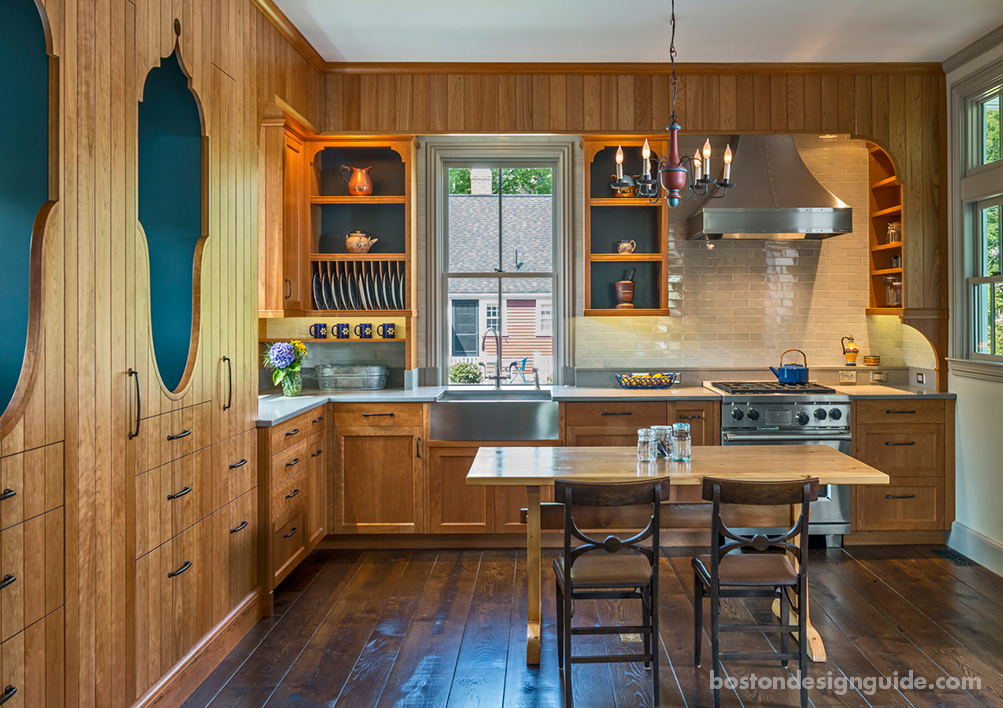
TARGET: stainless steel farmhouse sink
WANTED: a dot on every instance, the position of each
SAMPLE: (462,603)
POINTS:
(494,414)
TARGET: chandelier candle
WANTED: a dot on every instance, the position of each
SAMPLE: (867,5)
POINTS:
(706,159)
(646,155)
(727,163)
(619,163)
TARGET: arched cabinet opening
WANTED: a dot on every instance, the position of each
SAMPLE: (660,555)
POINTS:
(171,215)
(24,190)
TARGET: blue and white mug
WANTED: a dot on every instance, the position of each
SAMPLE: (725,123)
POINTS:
(364,330)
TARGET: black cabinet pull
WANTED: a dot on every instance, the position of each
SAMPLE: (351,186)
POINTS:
(7,580)
(7,494)
(294,462)
(229,383)
(235,465)
(294,431)
(179,571)
(899,444)
(291,533)
(139,405)
(377,415)
(900,412)
(417,447)
(317,420)
(178,495)
(240,527)
(8,693)
(691,417)
(617,413)
(317,454)
(183,434)
(288,289)
(293,493)
(900,496)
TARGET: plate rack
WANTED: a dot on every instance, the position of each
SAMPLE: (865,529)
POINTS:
(370,284)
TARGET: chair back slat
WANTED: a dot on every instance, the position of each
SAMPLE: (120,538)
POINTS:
(757,493)
(634,493)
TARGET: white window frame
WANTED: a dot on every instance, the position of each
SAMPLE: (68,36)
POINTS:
(440,153)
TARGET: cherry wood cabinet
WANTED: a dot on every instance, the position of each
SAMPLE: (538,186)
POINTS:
(615,423)
(704,418)
(235,557)
(453,505)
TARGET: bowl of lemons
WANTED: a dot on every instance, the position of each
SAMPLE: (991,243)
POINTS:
(646,380)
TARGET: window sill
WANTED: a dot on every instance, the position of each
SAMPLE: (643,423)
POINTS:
(975,369)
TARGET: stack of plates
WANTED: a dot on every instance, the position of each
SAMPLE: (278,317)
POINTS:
(378,289)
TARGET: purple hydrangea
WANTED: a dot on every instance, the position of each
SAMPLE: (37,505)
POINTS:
(281,355)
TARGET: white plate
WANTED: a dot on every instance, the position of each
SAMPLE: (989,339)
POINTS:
(362,293)
(318,292)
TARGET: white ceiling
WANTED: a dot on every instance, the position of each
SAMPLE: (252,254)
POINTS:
(618,31)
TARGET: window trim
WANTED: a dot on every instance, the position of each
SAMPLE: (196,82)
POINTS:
(540,332)
(444,151)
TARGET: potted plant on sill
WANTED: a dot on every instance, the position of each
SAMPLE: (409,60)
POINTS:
(285,359)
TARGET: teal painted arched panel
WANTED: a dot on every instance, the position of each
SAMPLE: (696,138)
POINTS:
(170,209)
(24,172)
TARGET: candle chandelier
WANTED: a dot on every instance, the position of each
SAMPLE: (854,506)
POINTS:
(674,173)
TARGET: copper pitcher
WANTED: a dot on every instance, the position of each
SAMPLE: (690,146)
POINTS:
(358,180)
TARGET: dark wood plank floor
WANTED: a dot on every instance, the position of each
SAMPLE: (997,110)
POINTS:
(447,628)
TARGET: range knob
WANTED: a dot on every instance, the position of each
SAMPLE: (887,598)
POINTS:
(753,414)
(802,418)
(820,413)
(835,414)
(737,414)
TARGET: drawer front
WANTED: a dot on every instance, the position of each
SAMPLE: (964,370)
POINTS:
(31,483)
(616,414)
(318,420)
(288,545)
(31,666)
(290,493)
(293,431)
(242,465)
(394,415)
(317,505)
(903,451)
(288,463)
(915,505)
(172,498)
(169,436)
(235,561)
(898,412)
(31,572)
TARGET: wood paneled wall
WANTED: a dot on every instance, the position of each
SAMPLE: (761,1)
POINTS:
(95,277)
(902,107)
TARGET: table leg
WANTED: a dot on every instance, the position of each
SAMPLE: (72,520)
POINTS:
(816,650)
(533,575)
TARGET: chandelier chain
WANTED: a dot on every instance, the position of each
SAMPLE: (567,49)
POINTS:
(672,58)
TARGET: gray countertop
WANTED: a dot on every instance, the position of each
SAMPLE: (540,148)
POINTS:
(274,409)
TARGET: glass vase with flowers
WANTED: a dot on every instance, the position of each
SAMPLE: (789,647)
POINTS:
(285,359)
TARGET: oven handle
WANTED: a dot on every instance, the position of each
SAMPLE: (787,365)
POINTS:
(732,437)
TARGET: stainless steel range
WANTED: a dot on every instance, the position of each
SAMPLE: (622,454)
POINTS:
(770,413)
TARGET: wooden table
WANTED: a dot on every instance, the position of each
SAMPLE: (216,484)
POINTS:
(537,467)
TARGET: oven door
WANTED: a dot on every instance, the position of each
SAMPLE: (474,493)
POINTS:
(830,515)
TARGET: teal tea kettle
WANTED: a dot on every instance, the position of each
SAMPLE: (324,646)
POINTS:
(792,373)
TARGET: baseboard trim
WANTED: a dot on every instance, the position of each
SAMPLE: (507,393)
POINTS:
(894,538)
(980,548)
(549,539)
(183,678)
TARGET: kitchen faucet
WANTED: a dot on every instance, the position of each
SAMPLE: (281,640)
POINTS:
(498,353)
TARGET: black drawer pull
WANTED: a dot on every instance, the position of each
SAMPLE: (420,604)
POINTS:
(293,493)
(235,465)
(291,533)
(240,527)
(691,417)
(900,496)
(617,413)
(180,494)
(294,431)
(183,434)
(139,405)
(179,571)
(317,420)
(294,462)
(7,580)
(900,412)
(317,454)
(377,415)
(899,444)
(7,494)
(8,693)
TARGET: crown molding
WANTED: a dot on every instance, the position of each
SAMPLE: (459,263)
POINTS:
(974,50)
(287,29)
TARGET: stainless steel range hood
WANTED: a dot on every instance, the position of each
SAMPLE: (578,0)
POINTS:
(776,197)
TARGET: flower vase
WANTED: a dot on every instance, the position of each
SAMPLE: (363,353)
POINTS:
(292,384)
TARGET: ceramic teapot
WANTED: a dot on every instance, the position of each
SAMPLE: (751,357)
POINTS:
(359,242)
(791,373)
(358,180)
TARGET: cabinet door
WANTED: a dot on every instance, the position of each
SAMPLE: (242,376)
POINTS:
(703,417)
(509,503)
(454,506)
(234,548)
(154,622)
(190,581)
(378,480)
(316,501)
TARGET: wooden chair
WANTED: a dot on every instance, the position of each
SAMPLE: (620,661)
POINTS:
(627,569)
(729,572)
